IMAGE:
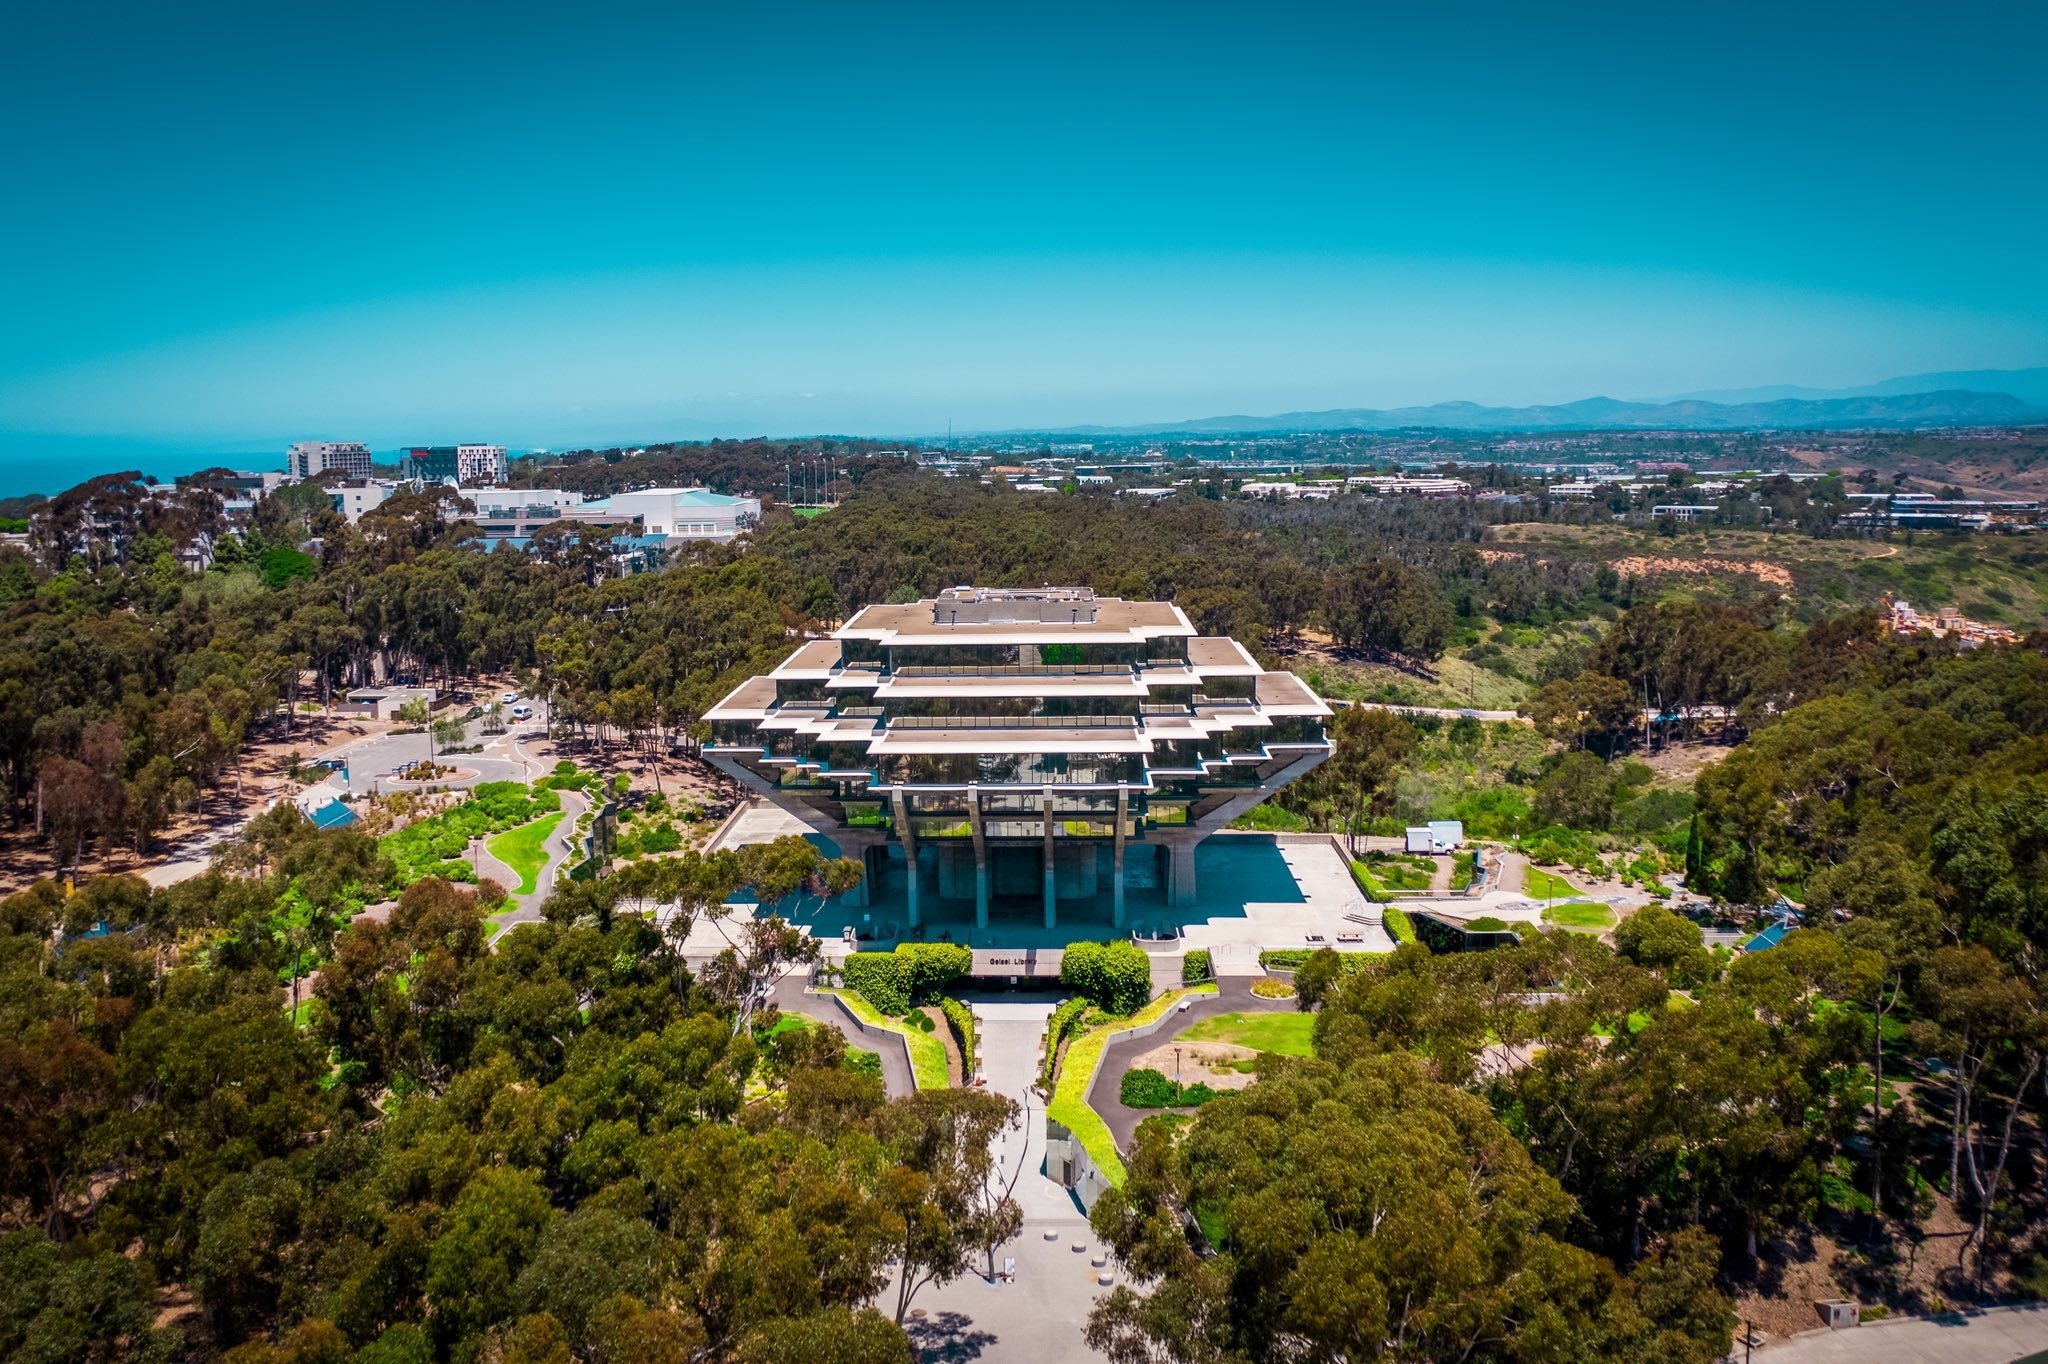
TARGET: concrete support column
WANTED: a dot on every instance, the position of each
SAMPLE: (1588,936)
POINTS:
(1051,912)
(1116,885)
(909,836)
(1180,873)
(974,823)
(860,895)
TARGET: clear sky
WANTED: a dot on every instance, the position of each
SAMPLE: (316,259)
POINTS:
(544,224)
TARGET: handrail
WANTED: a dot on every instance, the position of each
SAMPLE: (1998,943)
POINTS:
(1013,669)
(1012,722)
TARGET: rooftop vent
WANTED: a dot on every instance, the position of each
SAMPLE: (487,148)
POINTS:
(1014,606)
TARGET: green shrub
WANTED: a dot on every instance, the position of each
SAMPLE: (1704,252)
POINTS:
(1272,819)
(439,846)
(929,967)
(1195,966)
(1486,923)
(1064,1020)
(923,1021)
(864,1062)
(1150,1089)
(881,978)
(660,838)
(1398,927)
(1116,975)
(915,973)
(960,1019)
(1286,958)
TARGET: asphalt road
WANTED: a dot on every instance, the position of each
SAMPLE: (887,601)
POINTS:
(790,996)
(1105,1096)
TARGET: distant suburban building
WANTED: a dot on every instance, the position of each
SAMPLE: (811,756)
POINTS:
(312,458)
(356,496)
(683,513)
(240,490)
(463,464)
(1925,511)
(384,703)
(1017,754)
(1411,487)
(519,513)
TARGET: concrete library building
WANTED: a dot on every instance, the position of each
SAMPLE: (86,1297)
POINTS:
(1027,765)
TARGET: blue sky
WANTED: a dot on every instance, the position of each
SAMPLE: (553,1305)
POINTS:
(239,224)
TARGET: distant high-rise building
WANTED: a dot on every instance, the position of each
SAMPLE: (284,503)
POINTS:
(472,466)
(312,458)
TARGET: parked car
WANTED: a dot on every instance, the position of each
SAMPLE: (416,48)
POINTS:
(509,697)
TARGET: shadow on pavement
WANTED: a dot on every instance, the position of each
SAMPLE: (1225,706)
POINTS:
(947,1338)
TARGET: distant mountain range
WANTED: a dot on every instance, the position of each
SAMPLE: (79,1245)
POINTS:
(1944,407)
(2030,386)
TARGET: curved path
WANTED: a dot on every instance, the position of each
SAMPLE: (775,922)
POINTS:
(1105,1095)
(559,848)
(790,996)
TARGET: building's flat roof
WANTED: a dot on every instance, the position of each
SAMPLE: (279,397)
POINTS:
(819,656)
(912,623)
(756,693)
(1278,690)
(1210,652)
(694,497)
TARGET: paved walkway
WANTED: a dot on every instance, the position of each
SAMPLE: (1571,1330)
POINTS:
(1998,1336)
(1039,1315)
(791,997)
(559,849)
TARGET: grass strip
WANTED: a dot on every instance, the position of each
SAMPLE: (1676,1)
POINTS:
(1284,1034)
(927,1052)
(1579,916)
(1069,1107)
(1545,885)
(524,850)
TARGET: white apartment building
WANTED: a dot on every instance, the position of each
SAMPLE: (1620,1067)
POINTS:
(357,496)
(311,458)
(475,464)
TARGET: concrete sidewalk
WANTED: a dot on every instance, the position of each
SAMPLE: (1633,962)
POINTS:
(1999,1335)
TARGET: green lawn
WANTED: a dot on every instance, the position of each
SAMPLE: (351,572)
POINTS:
(1544,885)
(1069,1107)
(522,850)
(1286,1034)
(927,1052)
(1579,916)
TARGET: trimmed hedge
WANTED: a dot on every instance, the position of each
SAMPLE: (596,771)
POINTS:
(1150,1089)
(931,966)
(1115,975)
(882,979)
(1064,1020)
(914,973)
(1398,925)
(960,1019)
(1195,966)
